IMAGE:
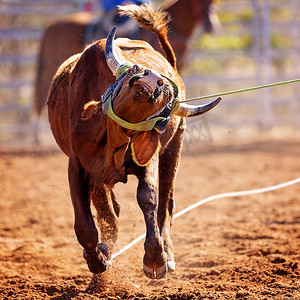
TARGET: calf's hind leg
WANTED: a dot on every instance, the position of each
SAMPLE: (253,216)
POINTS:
(108,211)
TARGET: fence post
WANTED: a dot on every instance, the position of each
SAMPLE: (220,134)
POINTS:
(267,106)
(295,59)
(256,25)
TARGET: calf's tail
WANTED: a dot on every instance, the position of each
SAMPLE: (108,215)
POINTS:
(154,20)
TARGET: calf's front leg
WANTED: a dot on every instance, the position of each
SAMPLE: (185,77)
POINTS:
(85,229)
(155,261)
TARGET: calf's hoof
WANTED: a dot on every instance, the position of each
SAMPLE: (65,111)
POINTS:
(97,260)
(161,272)
(157,273)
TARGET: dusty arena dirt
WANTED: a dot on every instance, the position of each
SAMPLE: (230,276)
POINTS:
(244,247)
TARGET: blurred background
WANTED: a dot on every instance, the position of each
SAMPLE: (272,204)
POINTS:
(257,43)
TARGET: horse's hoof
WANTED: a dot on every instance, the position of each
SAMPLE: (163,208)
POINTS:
(97,260)
(156,273)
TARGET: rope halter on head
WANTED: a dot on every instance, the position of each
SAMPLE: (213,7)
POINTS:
(158,120)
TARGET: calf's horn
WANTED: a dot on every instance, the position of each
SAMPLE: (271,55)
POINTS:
(112,60)
(186,110)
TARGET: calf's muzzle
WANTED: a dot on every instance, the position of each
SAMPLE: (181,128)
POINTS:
(147,86)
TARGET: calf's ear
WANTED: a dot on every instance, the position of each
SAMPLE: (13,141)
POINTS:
(90,109)
(143,146)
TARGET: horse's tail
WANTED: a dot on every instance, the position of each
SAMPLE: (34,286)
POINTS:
(154,20)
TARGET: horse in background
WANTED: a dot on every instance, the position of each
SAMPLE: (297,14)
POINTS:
(66,37)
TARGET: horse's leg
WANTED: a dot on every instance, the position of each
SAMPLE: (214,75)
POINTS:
(147,195)
(168,166)
(85,228)
(108,211)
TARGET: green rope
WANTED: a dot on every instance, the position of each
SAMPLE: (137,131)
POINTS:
(241,90)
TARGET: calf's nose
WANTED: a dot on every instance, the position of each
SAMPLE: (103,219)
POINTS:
(160,82)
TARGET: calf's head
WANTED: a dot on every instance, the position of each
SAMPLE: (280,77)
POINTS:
(115,63)
(142,94)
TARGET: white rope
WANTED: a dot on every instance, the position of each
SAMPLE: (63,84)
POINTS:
(211,198)
(128,246)
(235,194)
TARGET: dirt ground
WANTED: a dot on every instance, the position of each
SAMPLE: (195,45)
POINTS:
(244,247)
